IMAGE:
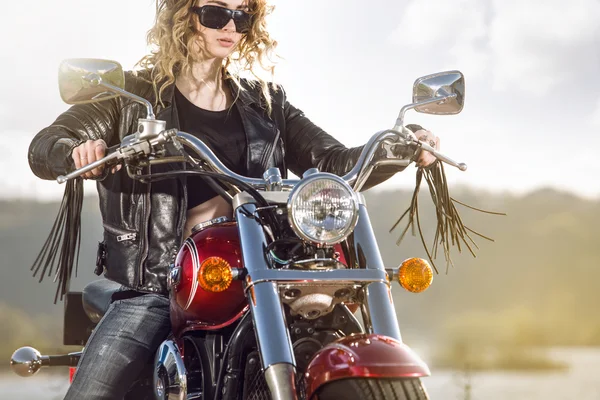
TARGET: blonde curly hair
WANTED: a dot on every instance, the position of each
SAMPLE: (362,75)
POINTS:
(173,36)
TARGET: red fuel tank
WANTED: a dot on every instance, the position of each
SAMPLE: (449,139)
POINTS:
(193,308)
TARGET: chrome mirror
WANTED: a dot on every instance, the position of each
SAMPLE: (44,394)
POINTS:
(448,86)
(87,80)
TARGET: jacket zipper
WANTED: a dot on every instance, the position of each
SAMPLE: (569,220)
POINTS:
(144,247)
(122,235)
(133,193)
(129,236)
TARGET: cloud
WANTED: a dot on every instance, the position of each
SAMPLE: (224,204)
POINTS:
(457,36)
(536,45)
(595,118)
(532,46)
(426,22)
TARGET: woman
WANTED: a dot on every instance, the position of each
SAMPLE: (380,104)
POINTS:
(250,126)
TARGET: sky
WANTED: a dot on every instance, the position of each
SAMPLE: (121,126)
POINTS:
(532,112)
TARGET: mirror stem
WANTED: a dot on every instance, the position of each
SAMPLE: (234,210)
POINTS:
(439,99)
(132,97)
(96,80)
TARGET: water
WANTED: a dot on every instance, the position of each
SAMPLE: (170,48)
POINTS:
(581,381)
(41,386)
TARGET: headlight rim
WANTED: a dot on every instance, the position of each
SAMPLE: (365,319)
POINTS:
(308,180)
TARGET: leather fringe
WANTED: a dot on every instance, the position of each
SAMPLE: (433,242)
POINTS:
(450,228)
(61,249)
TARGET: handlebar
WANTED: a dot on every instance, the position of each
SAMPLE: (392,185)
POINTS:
(132,146)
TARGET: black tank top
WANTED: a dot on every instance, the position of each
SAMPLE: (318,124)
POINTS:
(222,131)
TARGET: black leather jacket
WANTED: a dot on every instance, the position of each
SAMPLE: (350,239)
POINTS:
(143,229)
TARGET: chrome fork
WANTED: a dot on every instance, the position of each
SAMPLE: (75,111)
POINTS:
(379,314)
(272,335)
(266,307)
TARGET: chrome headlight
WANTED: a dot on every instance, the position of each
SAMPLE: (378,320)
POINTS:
(323,209)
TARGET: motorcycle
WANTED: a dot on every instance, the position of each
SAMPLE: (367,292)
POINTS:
(263,306)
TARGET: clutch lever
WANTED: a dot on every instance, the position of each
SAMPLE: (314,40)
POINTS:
(78,172)
(129,147)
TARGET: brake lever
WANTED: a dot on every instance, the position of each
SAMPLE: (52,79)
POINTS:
(440,156)
(407,138)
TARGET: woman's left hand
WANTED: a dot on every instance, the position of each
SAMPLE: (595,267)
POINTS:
(425,158)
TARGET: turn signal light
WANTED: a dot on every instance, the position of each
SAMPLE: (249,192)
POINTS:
(415,275)
(215,275)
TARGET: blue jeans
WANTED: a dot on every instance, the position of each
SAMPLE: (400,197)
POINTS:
(123,343)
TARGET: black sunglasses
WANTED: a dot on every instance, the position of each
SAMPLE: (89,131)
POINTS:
(216,17)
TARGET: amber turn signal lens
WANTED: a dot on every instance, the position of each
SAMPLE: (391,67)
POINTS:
(415,275)
(215,275)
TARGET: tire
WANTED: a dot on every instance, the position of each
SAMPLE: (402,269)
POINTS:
(373,389)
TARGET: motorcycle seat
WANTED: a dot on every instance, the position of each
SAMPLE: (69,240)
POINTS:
(97,296)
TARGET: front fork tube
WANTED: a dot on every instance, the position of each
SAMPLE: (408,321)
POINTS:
(273,338)
(379,314)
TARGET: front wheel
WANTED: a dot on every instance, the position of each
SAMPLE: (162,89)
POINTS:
(373,389)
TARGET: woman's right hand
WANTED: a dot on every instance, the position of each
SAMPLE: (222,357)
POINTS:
(89,152)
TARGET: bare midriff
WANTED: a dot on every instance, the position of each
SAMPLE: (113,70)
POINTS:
(213,208)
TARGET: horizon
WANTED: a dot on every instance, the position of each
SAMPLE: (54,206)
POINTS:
(91,193)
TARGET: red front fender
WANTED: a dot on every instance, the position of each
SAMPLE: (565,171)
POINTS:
(363,356)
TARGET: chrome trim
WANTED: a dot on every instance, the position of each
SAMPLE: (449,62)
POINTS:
(378,302)
(358,173)
(237,273)
(353,276)
(273,180)
(173,276)
(361,199)
(400,120)
(298,189)
(169,366)
(145,147)
(316,264)
(309,172)
(377,299)
(206,154)
(272,197)
(265,306)
(447,87)
(150,128)
(275,197)
(149,111)
(27,361)
(206,224)
(79,79)
(281,379)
